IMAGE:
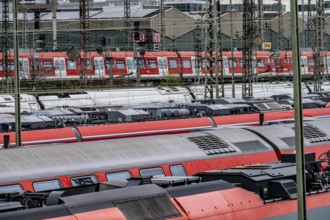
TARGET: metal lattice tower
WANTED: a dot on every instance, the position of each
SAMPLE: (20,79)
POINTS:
(309,24)
(249,36)
(280,26)
(84,27)
(261,18)
(84,22)
(212,50)
(198,50)
(318,45)
(162,25)
(127,16)
(5,43)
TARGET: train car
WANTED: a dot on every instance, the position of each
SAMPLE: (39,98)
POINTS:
(258,191)
(60,166)
(283,63)
(152,65)
(110,131)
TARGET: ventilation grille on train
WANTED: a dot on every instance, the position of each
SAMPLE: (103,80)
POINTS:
(211,144)
(251,146)
(314,135)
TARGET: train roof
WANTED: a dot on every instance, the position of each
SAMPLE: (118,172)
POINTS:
(56,160)
(116,154)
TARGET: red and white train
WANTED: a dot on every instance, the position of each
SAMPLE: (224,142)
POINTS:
(153,65)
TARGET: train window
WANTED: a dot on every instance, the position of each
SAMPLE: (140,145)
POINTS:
(96,64)
(178,170)
(173,64)
(62,65)
(120,64)
(101,65)
(204,63)
(108,64)
(241,62)
(193,63)
(129,64)
(47,185)
(84,180)
(25,65)
(328,61)
(88,64)
(225,62)
(152,64)
(48,65)
(164,64)
(160,64)
(118,176)
(186,64)
(311,63)
(261,63)
(57,65)
(142,64)
(133,64)
(233,63)
(11,188)
(152,172)
(11,66)
(1,67)
(288,59)
(72,65)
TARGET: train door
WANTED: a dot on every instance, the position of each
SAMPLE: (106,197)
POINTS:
(60,72)
(225,66)
(162,66)
(99,70)
(131,66)
(109,67)
(303,65)
(326,62)
(24,68)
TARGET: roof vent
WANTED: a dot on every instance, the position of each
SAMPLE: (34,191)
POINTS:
(211,144)
(284,188)
(314,134)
